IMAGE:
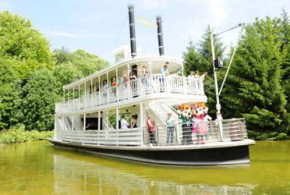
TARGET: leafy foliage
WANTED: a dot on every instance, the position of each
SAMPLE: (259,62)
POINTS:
(25,45)
(258,83)
(40,94)
(84,62)
(32,76)
(9,94)
(18,134)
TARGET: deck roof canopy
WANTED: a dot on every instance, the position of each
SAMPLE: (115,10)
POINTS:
(157,62)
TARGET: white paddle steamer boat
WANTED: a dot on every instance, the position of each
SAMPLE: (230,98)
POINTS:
(88,118)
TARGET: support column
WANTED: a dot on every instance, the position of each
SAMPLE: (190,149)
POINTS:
(117,124)
(117,86)
(73,97)
(142,123)
(99,126)
(85,94)
(85,119)
(107,90)
(128,83)
(92,91)
(99,91)
(79,96)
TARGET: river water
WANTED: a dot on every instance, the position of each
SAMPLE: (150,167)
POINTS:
(38,168)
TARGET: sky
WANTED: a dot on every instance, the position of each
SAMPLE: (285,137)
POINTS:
(100,26)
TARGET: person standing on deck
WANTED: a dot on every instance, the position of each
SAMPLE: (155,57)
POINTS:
(134,121)
(145,80)
(192,82)
(150,128)
(124,123)
(162,77)
(114,85)
(170,128)
(105,90)
(191,75)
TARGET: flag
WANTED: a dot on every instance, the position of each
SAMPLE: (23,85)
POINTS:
(146,22)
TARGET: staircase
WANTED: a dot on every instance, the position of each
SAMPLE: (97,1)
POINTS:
(159,111)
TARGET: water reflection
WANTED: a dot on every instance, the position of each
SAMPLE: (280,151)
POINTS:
(81,176)
(38,168)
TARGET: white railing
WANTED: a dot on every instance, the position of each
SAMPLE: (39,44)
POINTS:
(132,137)
(233,130)
(137,88)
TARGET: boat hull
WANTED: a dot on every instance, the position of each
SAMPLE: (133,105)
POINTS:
(176,156)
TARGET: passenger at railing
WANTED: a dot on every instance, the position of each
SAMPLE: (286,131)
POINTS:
(105,88)
(145,80)
(162,77)
(124,123)
(126,79)
(134,121)
(97,87)
(133,85)
(202,77)
(132,76)
(120,80)
(192,82)
(191,75)
(197,74)
(150,128)
(170,128)
(114,85)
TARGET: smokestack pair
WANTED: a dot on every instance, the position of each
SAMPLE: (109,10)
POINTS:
(133,34)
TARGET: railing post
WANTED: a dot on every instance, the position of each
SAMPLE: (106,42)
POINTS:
(117,86)
(117,124)
(73,98)
(185,85)
(107,90)
(92,92)
(85,96)
(99,91)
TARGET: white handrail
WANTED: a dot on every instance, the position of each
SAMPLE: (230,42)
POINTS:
(154,83)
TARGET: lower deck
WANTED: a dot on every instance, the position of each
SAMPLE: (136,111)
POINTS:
(205,155)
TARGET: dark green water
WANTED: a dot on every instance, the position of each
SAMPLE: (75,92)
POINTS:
(38,168)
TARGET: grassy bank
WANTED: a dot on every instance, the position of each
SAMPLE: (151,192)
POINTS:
(18,134)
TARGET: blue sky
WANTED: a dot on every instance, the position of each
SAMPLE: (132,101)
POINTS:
(101,26)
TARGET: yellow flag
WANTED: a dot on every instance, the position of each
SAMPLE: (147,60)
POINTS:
(146,22)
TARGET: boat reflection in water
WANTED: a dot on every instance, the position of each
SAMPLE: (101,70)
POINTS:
(111,177)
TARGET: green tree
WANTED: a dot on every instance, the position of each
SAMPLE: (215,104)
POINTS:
(85,63)
(9,94)
(254,87)
(285,25)
(40,94)
(23,44)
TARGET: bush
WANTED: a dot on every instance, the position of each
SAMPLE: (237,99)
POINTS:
(18,134)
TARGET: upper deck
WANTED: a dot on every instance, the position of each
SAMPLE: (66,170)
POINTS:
(89,93)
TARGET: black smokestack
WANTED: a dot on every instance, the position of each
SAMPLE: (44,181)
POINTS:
(160,35)
(132,31)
